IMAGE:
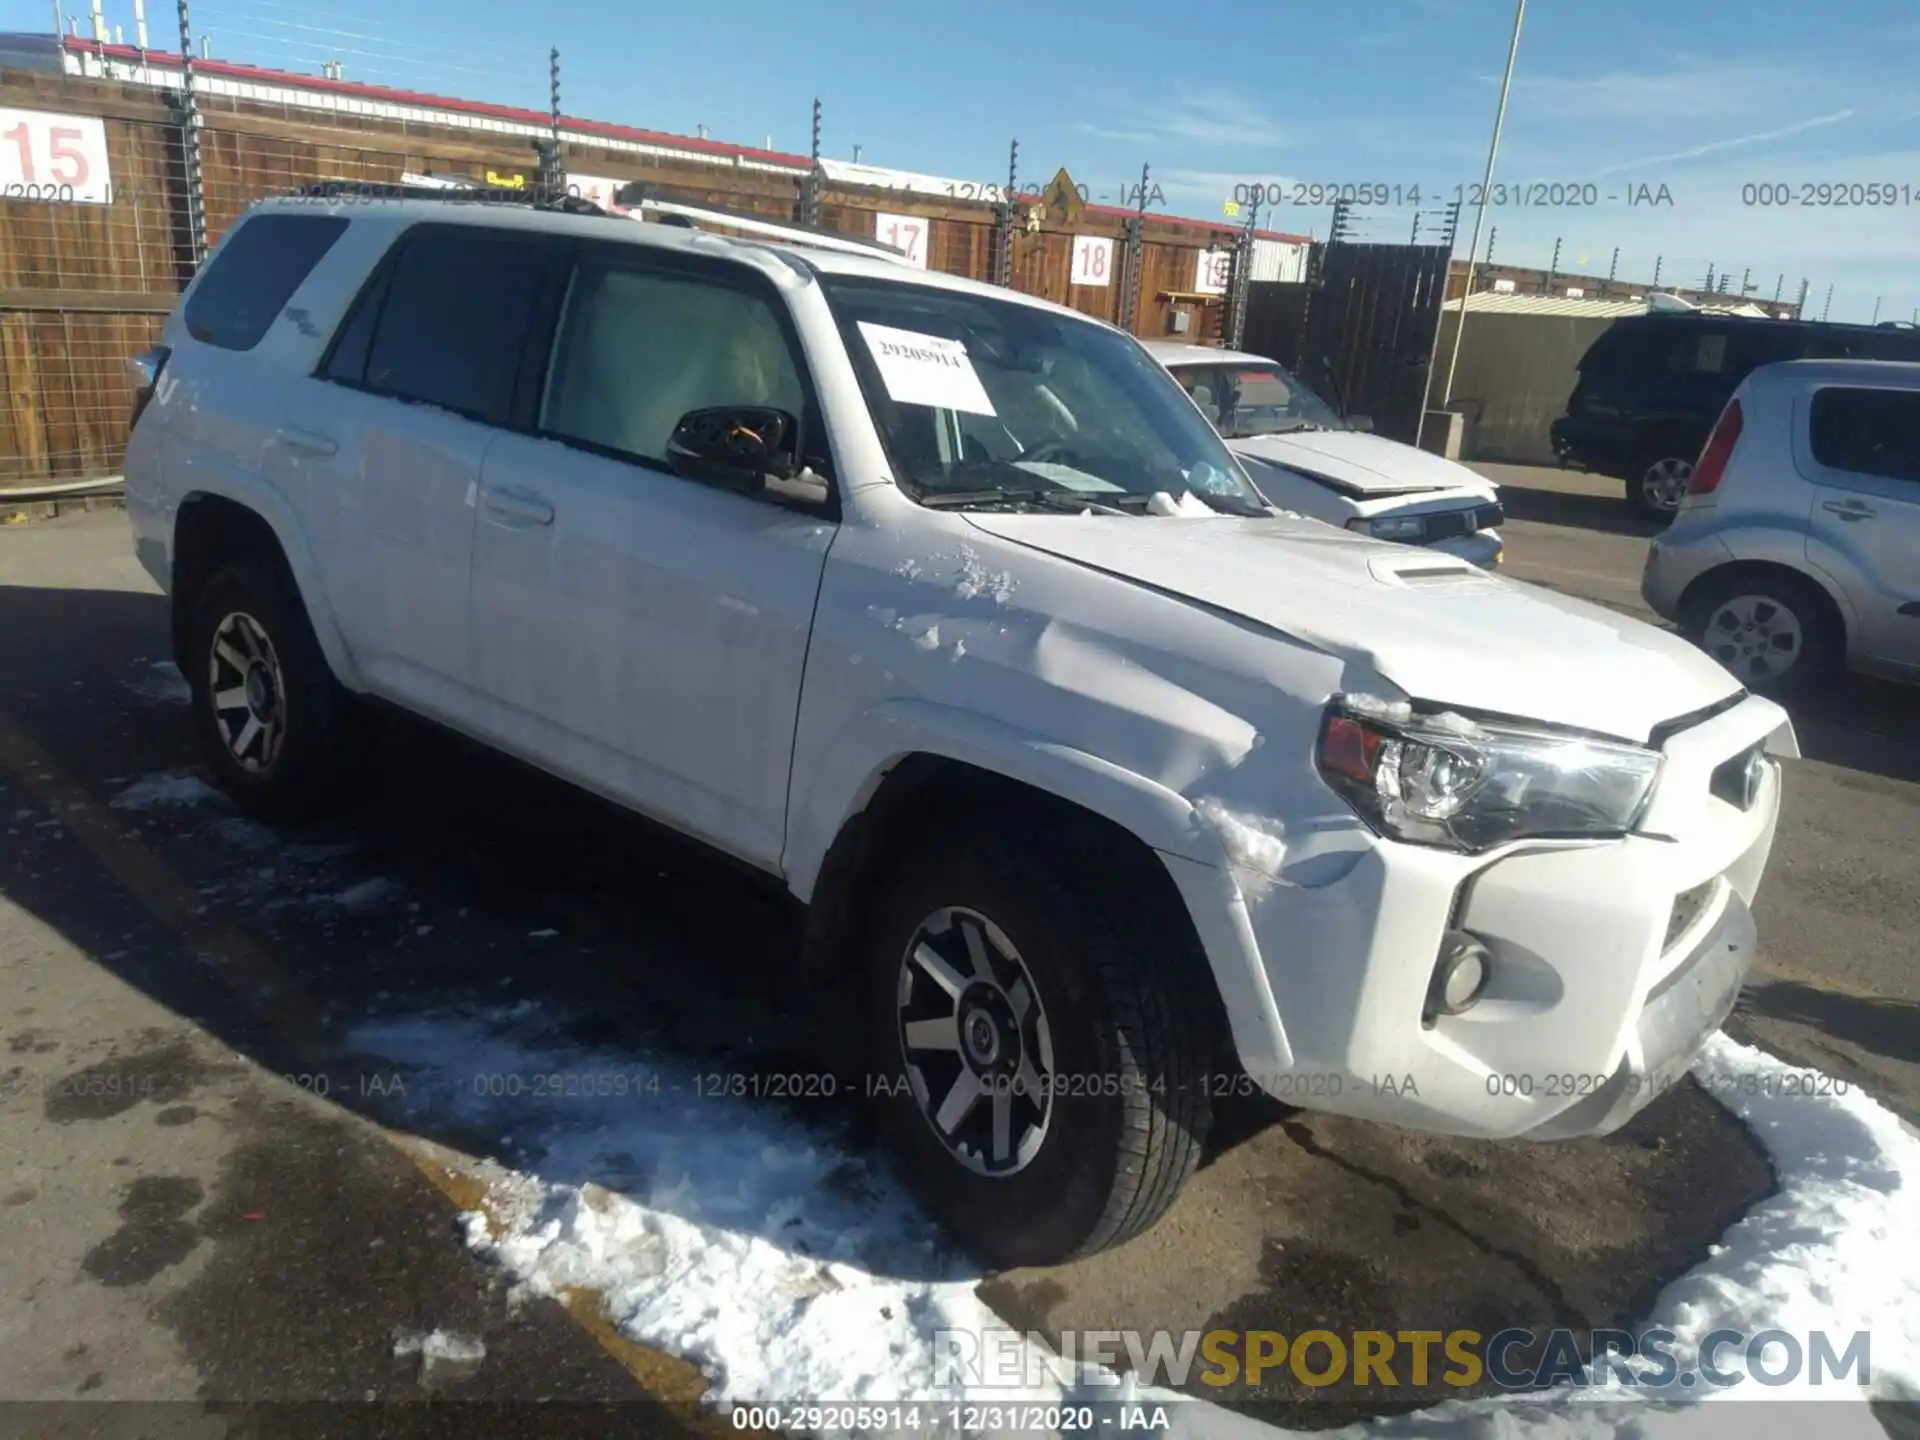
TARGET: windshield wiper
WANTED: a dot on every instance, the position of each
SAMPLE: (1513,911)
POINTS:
(1008,495)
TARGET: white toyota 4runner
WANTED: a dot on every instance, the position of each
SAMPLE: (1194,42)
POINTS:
(1105,790)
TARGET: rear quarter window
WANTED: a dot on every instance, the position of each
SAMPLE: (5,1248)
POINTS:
(251,278)
(450,325)
(1867,432)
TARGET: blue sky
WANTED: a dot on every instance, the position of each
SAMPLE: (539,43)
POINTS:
(1698,96)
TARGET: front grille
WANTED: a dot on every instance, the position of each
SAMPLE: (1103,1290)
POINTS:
(1686,909)
(1449,523)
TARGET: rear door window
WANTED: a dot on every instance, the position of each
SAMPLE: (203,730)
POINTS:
(1867,432)
(453,324)
(249,281)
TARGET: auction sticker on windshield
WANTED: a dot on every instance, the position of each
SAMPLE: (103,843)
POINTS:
(926,369)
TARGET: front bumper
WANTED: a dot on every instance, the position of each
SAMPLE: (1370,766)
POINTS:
(1611,962)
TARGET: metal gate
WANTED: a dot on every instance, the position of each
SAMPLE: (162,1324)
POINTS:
(1360,329)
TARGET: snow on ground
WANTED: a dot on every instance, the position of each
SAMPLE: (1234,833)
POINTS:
(161,682)
(173,787)
(759,1244)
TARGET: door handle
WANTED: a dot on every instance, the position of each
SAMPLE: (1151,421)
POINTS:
(1849,509)
(518,508)
(307,442)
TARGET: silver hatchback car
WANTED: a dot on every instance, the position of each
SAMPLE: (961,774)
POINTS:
(1797,547)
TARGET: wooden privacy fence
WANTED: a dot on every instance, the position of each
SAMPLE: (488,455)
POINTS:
(87,282)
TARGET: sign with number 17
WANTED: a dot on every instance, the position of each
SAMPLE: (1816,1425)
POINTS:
(905,233)
(62,158)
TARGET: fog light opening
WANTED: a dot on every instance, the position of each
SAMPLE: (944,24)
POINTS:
(1460,977)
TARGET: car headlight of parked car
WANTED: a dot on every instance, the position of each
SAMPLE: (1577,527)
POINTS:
(1391,527)
(1450,782)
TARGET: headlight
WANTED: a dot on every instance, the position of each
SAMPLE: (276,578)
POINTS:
(1401,527)
(1446,781)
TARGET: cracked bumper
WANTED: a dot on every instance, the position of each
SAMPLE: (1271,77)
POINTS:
(1611,963)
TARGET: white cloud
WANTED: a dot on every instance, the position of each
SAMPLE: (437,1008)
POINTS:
(1194,117)
(1714,147)
(1659,99)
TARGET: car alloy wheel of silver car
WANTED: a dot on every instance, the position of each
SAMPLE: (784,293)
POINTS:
(1755,636)
(248,691)
(1663,484)
(975,1039)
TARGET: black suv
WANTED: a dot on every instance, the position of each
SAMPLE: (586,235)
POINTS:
(1652,385)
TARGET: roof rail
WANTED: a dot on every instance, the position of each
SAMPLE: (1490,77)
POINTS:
(648,207)
(636,202)
(448,192)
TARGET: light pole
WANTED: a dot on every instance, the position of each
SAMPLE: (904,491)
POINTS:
(1480,210)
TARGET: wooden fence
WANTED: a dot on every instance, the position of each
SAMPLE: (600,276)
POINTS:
(84,286)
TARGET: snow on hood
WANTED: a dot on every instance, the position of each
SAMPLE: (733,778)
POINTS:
(1439,628)
(1366,465)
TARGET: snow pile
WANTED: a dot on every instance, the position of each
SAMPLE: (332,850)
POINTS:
(441,1346)
(365,894)
(162,683)
(1373,707)
(718,1228)
(761,1246)
(171,788)
(1188,507)
(1256,843)
(1837,1249)
(1448,722)
(976,579)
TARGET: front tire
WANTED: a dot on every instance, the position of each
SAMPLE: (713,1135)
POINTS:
(282,736)
(1037,1054)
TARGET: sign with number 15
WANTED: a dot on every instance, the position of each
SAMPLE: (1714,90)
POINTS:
(54,157)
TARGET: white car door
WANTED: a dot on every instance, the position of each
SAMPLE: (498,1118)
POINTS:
(1861,448)
(641,632)
(391,433)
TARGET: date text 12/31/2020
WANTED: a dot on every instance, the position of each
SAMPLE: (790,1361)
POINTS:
(1534,194)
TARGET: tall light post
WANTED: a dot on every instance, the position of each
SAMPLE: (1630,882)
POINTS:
(1486,188)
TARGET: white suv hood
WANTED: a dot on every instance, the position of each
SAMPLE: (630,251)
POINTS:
(1365,465)
(1440,629)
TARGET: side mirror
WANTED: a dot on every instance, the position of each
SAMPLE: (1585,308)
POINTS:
(1362,423)
(737,447)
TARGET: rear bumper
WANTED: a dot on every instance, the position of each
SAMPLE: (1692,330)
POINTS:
(1604,446)
(1673,563)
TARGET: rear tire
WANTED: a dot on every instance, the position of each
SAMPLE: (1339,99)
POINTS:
(1037,1051)
(282,736)
(1659,480)
(1774,632)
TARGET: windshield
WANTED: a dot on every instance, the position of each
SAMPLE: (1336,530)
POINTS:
(981,397)
(1255,399)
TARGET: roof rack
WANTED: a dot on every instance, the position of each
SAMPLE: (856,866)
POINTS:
(448,191)
(641,201)
(636,201)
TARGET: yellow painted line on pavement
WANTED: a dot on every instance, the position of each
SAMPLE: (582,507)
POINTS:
(267,990)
